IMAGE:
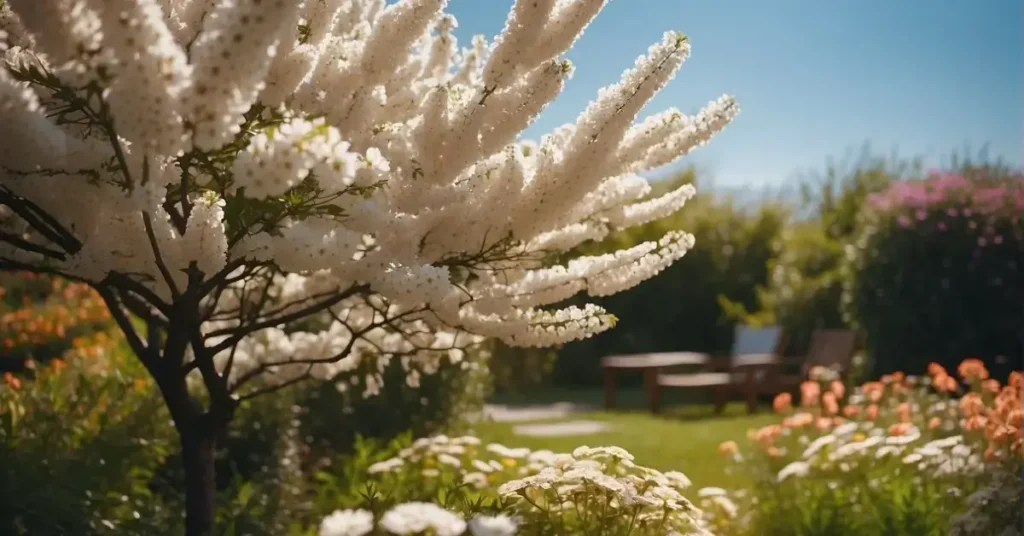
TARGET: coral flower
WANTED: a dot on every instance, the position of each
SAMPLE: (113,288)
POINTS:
(810,392)
(873,390)
(975,423)
(899,428)
(871,413)
(783,402)
(1016,380)
(850,411)
(934,423)
(972,369)
(935,369)
(728,448)
(829,404)
(903,410)
(971,404)
(838,388)
(12,381)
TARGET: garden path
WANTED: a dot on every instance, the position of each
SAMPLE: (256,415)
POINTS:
(545,412)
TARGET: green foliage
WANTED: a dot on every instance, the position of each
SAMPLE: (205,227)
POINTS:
(444,401)
(804,291)
(936,274)
(681,308)
(520,369)
(82,446)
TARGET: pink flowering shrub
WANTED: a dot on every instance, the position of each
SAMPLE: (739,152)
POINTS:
(938,272)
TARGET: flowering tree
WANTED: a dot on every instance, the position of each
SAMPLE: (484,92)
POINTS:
(268,190)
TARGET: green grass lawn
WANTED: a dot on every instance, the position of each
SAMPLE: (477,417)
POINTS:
(685,437)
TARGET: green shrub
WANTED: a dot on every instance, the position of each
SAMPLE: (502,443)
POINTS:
(520,369)
(937,273)
(804,291)
(81,451)
(446,401)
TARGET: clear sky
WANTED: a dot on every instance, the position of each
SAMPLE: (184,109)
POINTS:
(814,78)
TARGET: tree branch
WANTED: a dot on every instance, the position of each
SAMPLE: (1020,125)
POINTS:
(21,243)
(237,334)
(148,222)
(40,220)
(123,322)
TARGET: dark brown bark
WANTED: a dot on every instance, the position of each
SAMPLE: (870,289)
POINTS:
(198,451)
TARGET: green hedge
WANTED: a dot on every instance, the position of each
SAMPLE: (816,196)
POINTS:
(937,272)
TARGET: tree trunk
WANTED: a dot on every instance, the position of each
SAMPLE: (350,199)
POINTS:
(198,448)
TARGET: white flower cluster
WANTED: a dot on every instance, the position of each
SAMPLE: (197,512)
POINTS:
(842,449)
(415,518)
(347,141)
(541,483)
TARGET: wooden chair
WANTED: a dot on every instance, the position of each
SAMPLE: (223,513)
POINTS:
(832,348)
(754,355)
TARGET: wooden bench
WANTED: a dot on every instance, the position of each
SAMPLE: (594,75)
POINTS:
(651,365)
(742,374)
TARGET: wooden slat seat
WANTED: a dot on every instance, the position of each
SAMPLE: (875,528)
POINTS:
(655,360)
(700,379)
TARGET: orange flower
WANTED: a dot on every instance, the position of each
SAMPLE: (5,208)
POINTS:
(58,364)
(972,369)
(1013,418)
(899,428)
(873,390)
(944,383)
(871,413)
(1016,380)
(774,452)
(783,402)
(851,411)
(996,433)
(991,454)
(728,448)
(935,369)
(990,385)
(823,423)
(766,435)
(809,393)
(829,404)
(971,404)
(12,381)
(934,423)
(975,423)
(838,388)
(904,411)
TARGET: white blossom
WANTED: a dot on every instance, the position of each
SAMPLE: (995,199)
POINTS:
(347,523)
(329,185)
(418,518)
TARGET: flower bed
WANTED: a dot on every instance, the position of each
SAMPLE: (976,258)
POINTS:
(902,455)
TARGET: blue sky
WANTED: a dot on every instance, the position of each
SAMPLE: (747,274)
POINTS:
(815,79)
